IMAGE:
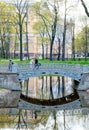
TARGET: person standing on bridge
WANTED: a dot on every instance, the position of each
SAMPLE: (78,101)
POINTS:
(32,64)
(10,65)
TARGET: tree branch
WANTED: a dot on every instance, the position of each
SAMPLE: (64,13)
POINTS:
(45,24)
(86,10)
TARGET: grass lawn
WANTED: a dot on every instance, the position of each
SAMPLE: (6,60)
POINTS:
(69,61)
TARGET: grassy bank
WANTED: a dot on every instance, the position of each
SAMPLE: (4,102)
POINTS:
(69,61)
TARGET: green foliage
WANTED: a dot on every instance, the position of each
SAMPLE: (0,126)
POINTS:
(69,61)
(7,27)
(41,32)
(6,18)
(80,42)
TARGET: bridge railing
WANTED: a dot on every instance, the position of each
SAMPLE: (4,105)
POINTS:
(47,66)
(3,68)
(51,66)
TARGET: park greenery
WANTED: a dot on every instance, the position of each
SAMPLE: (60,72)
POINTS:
(67,61)
(14,25)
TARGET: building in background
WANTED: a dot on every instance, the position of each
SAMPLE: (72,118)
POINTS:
(34,45)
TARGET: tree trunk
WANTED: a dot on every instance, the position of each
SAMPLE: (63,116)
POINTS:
(21,52)
(63,47)
(3,50)
(53,32)
(58,58)
(27,35)
(51,47)
(73,46)
(86,46)
(46,51)
(64,36)
(42,51)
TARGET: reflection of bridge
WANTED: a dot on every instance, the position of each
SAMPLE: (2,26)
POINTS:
(11,80)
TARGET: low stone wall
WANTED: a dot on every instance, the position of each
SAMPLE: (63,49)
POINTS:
(84,83)
(9,99)
(9,81)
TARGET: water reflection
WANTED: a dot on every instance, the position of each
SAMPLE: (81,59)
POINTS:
(43,120)
(48,87)
(44,88)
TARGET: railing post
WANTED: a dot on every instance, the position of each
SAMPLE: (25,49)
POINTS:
(15,68)
(85,68)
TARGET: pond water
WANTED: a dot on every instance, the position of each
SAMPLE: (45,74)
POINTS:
(48,87)
(45,88)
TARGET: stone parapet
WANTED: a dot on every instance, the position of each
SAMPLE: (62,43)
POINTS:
(9,99)
(84,82)
(9,81)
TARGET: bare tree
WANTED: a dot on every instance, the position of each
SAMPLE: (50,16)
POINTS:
(50,23)
(64,34)
(22,8)
(73,38)
(27,10)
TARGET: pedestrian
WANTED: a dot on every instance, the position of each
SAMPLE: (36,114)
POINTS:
(10,65)
(32,64)
(37,64)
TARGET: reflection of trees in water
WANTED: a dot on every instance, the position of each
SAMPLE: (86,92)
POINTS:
(27,87)
(63,87)
(51,91)
(54,115)
(42,86)
(21,123)
(48,84)
(48,87)
(26,121)
(57,83)
(58,80)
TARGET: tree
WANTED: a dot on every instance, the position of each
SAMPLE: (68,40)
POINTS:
(21,13)
(72,23)
(6,27)
(48,12)
(59,49)
(41,32)
(67,10)
(64,33)
(27,32)
(82,42)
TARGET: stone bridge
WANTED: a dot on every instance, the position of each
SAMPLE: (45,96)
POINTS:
(23,72)
(11,80)
(69,70)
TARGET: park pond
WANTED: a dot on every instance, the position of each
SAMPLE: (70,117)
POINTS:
(59,91)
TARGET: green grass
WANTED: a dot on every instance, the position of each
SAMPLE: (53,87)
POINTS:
(69,61)
(1,89)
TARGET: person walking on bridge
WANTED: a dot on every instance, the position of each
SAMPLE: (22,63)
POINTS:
(37,64)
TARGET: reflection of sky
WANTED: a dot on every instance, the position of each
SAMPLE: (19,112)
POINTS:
(76,122)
